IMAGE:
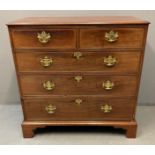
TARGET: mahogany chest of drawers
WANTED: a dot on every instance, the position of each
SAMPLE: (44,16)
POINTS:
(78,71)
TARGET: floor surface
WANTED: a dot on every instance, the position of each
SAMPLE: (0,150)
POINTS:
(10,131)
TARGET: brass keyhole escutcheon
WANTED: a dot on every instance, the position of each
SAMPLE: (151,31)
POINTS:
(78,78)
(106,108)
(108,85)
(44,37)
(78,101)
(110,61)
(111,36)
(77,55)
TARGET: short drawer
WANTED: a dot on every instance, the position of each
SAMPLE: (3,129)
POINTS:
(106,62)
(111,38)
(76,84)
(79,108)
(45,38)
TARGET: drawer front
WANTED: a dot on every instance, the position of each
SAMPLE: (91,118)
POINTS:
(78,85)
(107,62)
(115,38)
(87,108)
(50,38)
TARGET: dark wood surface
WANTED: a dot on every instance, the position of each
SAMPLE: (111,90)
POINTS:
(86,38)
(85,35)
(89,85)
(96,20)
(127,62)
(89,109)
(128,38)
(60,39)
(28,127)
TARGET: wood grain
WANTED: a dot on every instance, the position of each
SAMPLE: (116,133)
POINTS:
(29,126)
(89,20)
(60,38)
(89,85)
(90,109)
(85,35)
(127,62)
(95,38)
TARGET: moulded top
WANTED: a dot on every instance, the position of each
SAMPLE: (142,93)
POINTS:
(89,20)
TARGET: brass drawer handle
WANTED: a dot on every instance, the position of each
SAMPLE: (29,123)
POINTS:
(44,37)
(110,61)
(78,101)
(111,36)
(77,55)
(46,61)
(48,85)
(108,85)
(50,109)
(106,108)
(78,78)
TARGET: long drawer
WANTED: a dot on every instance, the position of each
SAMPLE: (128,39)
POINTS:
(78,108)
(107,62)
(74,84)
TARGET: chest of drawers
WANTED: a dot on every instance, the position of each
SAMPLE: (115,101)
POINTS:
(78,71)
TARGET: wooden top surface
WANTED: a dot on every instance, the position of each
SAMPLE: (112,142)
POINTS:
(99,20)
